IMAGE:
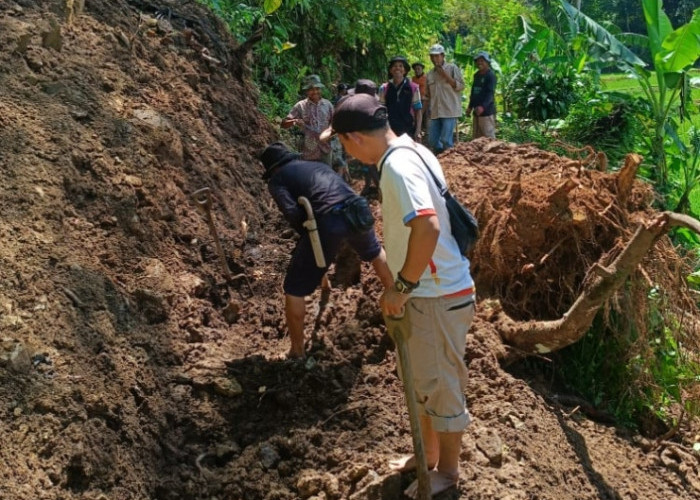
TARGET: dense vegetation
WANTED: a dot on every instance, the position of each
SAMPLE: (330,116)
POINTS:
(560,67)
(341,40)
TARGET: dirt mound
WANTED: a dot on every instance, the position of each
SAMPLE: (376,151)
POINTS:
(131,368)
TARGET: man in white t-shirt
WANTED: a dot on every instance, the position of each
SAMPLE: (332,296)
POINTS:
(433,286)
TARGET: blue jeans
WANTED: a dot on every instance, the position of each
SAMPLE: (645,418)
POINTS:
(441,133)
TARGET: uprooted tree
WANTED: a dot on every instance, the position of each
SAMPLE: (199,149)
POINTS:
(561,239)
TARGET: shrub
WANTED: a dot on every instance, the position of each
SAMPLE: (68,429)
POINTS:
(544,92)
(608,122)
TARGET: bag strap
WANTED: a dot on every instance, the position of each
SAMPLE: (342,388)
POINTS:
(444,192)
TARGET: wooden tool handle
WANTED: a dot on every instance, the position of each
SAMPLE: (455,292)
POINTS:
(397,333)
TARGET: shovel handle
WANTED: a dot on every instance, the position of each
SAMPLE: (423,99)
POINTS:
(397,333)
(202,199)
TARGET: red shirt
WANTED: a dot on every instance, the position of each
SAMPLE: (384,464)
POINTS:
(422,83)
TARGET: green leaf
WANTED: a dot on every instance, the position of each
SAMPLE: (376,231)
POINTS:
(658,24)
(694,279)
(672,80)
(271,5)
(633,40)
(601,35)
(681,48)
(286,46)
(532,39)
(583,59)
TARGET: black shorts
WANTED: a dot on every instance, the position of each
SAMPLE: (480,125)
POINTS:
(303,275)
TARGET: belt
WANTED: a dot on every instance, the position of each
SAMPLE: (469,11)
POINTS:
(461,293)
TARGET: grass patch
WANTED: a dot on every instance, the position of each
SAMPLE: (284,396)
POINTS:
(621,82)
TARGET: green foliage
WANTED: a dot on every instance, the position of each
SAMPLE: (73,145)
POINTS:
(607,121)
(269,6)
(485,25)
(596,367)
(684,171)
(628,15)
(518,130)
(602,46)
(550,70)
(631,372)
(673,52)
(239,17)
(341,40)
(541,92)
(672,369)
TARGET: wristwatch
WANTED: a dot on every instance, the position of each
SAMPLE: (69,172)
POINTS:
(404,286)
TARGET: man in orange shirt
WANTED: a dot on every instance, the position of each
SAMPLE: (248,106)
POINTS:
(420,80)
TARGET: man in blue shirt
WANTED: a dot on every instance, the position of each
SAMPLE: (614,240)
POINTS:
(481,99)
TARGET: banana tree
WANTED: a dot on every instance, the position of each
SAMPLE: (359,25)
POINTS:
(688,159)
(544,72)
(594,45)
(672,52)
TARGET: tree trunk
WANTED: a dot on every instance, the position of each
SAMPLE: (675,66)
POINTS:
(604,278)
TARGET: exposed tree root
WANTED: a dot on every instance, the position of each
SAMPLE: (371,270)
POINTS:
(603,280)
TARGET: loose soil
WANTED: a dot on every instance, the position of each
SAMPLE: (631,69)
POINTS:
(133,369)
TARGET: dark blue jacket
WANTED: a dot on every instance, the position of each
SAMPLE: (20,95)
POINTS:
(318,182)
(483,91)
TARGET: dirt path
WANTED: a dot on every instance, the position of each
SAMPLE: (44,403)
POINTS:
(130,368)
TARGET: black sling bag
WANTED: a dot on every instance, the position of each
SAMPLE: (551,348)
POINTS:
(465,228)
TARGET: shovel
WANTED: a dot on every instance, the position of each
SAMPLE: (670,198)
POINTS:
(202,201)
(399,333)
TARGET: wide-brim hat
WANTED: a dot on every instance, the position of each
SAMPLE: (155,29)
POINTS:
(401,59)
(275,155)
(436,49)
(417,63)
(312,81)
